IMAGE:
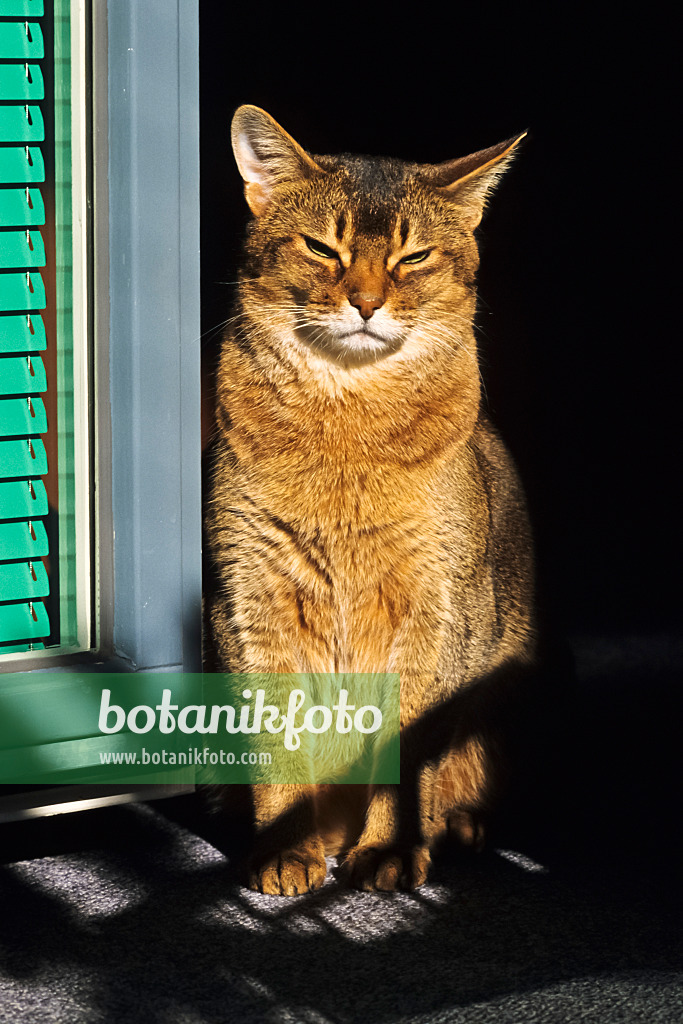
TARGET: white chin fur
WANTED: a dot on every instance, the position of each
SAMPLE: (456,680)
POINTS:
(361,340)
(344,340)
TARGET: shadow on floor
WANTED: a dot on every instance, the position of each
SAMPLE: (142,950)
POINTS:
(135,913)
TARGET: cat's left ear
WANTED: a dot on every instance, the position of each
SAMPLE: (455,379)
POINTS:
(469,180)
(267,156)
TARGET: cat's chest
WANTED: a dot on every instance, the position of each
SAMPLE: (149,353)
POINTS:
(353,505)
(344,553)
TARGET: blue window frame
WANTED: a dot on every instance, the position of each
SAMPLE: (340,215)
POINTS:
(144,302)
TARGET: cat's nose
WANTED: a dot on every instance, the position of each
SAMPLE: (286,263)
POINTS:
(366,303)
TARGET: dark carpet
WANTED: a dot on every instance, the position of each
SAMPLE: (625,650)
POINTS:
(134,913)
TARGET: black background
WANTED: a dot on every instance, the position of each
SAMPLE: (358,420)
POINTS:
(578,333)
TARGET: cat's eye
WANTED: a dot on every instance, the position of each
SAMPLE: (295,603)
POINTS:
(416,257)
(320,249)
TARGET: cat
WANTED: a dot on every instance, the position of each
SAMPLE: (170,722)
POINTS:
(363,514)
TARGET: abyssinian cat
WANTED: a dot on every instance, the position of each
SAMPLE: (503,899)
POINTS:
(364,516)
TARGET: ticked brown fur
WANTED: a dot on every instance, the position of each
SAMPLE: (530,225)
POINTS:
(364,515)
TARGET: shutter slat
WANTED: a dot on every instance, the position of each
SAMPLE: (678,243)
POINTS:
(23,540)
(21,333)
(21,416)
(19,164)
(21,124)
(23,622)
(21,291)
(20,648)
(21,40)
(18,210)
(22,458)
(23,581)
(20,499)
(22,375)
(21,8)
(22,82)
(21,249)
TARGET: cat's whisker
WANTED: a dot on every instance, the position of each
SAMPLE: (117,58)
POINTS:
(451,342)
(240,280)
(211,332)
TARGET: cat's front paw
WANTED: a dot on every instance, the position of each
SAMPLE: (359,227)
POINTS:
(386,868)
(288,872)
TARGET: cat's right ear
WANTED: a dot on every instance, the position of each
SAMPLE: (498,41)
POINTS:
(469,180)
(266,156)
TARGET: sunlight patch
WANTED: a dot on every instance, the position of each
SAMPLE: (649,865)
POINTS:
(520,860)
(92,890)
(364,917)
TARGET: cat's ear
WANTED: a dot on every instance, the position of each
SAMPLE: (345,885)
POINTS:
(469,180)
(266,156)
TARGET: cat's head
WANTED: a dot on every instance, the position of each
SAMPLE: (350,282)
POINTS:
(359,255)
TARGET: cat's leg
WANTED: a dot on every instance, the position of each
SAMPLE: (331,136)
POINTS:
(393,849)
(464,786)
(404,822)
(288,856)
(450,765)
(466,828)
(391,853)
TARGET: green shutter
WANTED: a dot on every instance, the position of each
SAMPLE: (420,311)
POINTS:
(21,416)
(21,122)
(21,8)
(23,540)
(22,375)
(22,164)
(23,501)
(21,333)
(21,207)
(21,291)
(21,580)
(21,248)
(22,82)
(22,458)
(26,620)
(21,40)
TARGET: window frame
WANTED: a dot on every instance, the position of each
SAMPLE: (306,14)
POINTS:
(144,302)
